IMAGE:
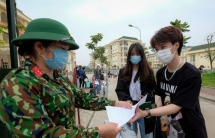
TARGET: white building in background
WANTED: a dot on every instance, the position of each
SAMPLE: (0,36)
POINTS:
(153,61)
(116,52)
(196,55)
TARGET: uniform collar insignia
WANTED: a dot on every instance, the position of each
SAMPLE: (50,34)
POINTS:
(37,71)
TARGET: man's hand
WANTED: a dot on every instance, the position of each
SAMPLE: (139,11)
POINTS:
(109,130)
(123,104)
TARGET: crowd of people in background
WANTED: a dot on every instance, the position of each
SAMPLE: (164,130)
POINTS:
(98,75)
(81,76)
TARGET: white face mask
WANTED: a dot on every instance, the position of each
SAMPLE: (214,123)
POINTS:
(165,56)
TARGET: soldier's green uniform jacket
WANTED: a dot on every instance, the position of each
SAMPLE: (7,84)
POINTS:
(34,105)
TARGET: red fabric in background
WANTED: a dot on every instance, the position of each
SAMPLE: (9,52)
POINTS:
(74,76)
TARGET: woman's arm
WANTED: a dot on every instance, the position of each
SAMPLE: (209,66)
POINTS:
(22,109)
(121,91)
(89,101)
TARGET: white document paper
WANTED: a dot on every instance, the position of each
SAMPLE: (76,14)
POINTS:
(122,115)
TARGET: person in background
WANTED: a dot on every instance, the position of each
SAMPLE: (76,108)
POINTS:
(108,74)
(101,75)
(97,78)
(81,76)
(85,76)
(201,69)
(36,101)
(93,81)
(78,81)
(136,80)
(179,80)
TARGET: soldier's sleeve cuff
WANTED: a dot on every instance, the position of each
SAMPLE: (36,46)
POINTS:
(95,133)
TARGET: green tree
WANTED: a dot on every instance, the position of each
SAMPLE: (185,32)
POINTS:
(183,27)
(114,66)
(94,41)
(104,60)
(146,50)
(98,51)
(96,38)
(93,45)
(210,53)
(152,49)
(87,69)
(2,29)
(95,56)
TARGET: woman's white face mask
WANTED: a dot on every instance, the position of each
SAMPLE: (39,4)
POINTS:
(165,56)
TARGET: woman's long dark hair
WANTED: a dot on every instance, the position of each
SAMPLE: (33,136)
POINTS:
(145,72)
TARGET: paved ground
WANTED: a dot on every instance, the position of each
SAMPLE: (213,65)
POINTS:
(207,102)
(208,93)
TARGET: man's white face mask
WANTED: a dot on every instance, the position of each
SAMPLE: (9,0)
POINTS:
(165,56)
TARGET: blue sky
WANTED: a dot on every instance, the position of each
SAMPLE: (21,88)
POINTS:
(84,18)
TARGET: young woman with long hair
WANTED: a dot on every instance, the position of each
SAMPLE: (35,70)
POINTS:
(136,80)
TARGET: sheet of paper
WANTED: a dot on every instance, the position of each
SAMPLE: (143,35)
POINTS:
(121,115)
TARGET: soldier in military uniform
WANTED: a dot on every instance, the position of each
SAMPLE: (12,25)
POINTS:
(35,100)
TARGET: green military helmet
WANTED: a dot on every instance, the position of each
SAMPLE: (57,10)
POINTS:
(46,29)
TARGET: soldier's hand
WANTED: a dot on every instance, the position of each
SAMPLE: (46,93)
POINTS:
(109,130)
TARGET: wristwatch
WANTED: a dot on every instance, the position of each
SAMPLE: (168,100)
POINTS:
(149,113)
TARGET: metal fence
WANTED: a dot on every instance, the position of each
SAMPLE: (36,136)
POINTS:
(209,70)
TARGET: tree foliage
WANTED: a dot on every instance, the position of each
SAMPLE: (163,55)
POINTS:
(21,26)
(2,29)
(94,41)
(210,54)
(98,51)
(114,66)
(99,54)
(104,60)
(96,38)
(90,46)
(151,49)
(95,55)
(184,27)
(146,50)
(87,69)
